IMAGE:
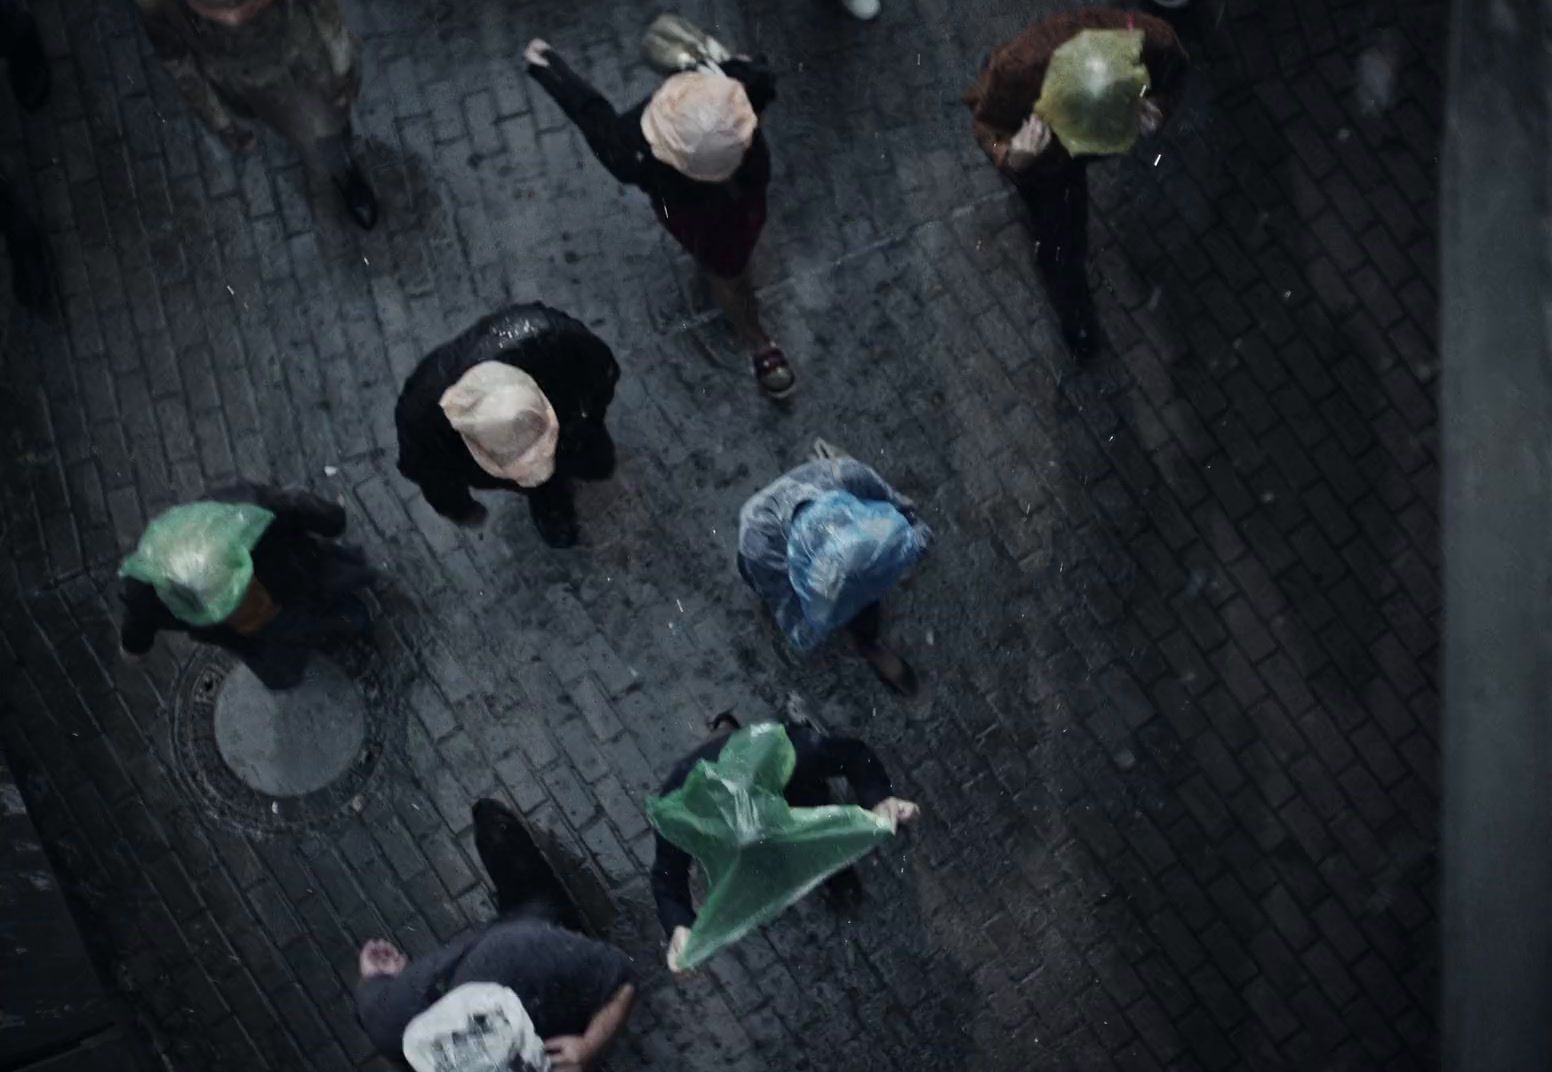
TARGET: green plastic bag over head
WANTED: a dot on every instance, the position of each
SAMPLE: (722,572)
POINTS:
(760,854)
(198,558)
(1091,91)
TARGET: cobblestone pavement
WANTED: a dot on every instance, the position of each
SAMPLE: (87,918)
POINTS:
(1178,741)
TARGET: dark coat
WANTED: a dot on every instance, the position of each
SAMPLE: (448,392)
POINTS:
(299,570)
(718,223)
(572,366)
(1010,83)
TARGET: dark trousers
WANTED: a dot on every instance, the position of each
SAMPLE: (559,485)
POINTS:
(279,652)
(526,886)
(1058,203)
(867,625)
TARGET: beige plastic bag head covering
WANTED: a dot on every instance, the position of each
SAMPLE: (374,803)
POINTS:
(476,1027)
(700,123)
(506,422)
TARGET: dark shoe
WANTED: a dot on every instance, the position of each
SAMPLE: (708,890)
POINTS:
(29,268)
(360,201)
(723,724)
(843,893)
(891,669)
(773,374)
(1081,333)
(557,525)
(30,78)
(350,617)
(473,518)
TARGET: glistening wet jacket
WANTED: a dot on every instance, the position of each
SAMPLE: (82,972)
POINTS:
(765,523)
(573,367)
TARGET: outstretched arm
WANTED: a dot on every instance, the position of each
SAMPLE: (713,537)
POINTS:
(577,1053)
(845,757)
(143,617)
(302,509)
(594,116)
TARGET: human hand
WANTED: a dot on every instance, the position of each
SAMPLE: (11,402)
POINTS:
(895,811)
(1150,117)
(1032,139)
(535,52)
(676,944)
(379,957)
(239,138)
(568,1053)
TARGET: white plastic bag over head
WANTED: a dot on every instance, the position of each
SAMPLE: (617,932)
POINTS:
(477,1027)
(700,123)
(506,422)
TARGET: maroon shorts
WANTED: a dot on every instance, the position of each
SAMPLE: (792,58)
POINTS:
(719,233)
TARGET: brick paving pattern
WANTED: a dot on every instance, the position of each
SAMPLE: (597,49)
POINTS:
(1178,741)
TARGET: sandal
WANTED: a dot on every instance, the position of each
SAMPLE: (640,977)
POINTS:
(773,374)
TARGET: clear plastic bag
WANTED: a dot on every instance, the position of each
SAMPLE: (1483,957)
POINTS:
(1092,89)
(673,43)
(476,1027)
(760,854)
(198,558)
(844,553)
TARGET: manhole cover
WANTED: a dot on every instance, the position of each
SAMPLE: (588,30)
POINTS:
(289,744)
(266,761)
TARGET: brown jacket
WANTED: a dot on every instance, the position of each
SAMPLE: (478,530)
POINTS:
(1005,94)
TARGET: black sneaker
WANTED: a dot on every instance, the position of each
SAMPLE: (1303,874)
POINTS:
(29,267)
(30,78)
(1081,334)
(359,199)
(557,525)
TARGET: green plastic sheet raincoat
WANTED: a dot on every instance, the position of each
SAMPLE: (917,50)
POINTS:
(761,855)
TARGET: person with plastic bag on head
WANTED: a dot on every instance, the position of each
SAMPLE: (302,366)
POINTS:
(818,842)
(515,403)
(252,568)
(526,985)
(695,147)
(821,546)
(1073,86)
(291,64)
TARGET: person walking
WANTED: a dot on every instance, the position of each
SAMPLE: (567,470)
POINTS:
(251,568)
(290,64)
(821,545)
(27,70)
(578,992)
(820,757)
(517,403)
(695,147)
(1050,175)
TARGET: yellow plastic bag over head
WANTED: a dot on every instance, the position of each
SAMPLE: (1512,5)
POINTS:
(1092,89)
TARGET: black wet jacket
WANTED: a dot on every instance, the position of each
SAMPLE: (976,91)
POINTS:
(289,561)
(573,367)
(621,147)
(819,758)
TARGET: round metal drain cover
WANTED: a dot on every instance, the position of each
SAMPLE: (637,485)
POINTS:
(289,744)
(267,761)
